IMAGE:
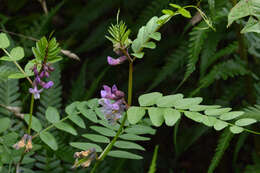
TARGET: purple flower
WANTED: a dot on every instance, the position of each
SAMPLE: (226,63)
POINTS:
(47,85)
(113,93)
(35,92)
(114,62)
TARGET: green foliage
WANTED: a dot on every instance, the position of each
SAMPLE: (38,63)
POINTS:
(152,168)
(223,143)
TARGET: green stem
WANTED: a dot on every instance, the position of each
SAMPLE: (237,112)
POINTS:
(110,145)
(18,66)
(31,112)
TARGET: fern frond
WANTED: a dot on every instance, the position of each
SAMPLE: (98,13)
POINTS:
(223,143)
(252,112)
(196,41)
(173,62)
(224,70)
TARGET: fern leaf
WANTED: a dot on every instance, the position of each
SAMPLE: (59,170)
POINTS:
(223,143)
(196,41)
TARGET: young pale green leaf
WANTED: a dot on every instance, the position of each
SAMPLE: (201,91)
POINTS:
(4,41)
(52,115)
(77,120)
(104,131)
(124,154)
(195,116)
(36,124)
(17,75)
(187,102)
(133,137)
(150,45)
(65,127)
(217,112)
(156,116)
(4,124)
(184,12)
(175,6)
(219,125)
(156,36)
(244,8)
(149,99)
(202,107)
(135,114)
(167,11)
(17,53)
(128,145)
(171,116)
(208,121)
(85,146)
(168,101)
(6,58)
(236,129)
(96,138)
(245,121)
(88,113)
(231,115)
(138,55)
(49,139)
(140,129)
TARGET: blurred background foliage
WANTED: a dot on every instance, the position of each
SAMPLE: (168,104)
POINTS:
(221,66)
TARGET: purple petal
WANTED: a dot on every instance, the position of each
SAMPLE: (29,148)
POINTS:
(48,85)
(103,93)
(114,89)
(113,62)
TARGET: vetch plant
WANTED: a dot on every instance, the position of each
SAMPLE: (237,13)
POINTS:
(111,125)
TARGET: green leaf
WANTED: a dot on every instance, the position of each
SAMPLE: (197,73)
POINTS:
(17,75)
(195,116)
(219,125)
(251,26)
(150,45)
(124,154)
(140,129)
(17,53)
(6,58)
(171,116)
(128,145)
(66,127)
(231,115)
(4,41)
(77,120)
(175,6)
(133,137)
(96,138)
(167,11)
(209,121)
(202,107)
(4,124)
(93,103)
(149,99)
(156,36)
(184,12)
(86,146)
(217,112)
(244,8)
(88,113)
(169,101)
(138,55)
(36,124)
(48,139)
(187,102)
(135,114)
(236,129)
(156,116)
(52,115)
(245,122)
(104,131)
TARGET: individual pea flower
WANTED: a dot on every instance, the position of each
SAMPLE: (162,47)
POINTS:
(26,142)
(84,158)
(38,81)
(113,62)
(112,93)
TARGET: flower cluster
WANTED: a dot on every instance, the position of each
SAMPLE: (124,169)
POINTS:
(86,157)
(38,81)
(26,142)
(113,103)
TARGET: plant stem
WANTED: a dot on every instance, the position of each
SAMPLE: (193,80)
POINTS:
(18,66)
(29,133)
(129,102)
(31,112)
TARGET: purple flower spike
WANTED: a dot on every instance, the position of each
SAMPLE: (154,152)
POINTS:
(114,62)
(35,92)
(48,85)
